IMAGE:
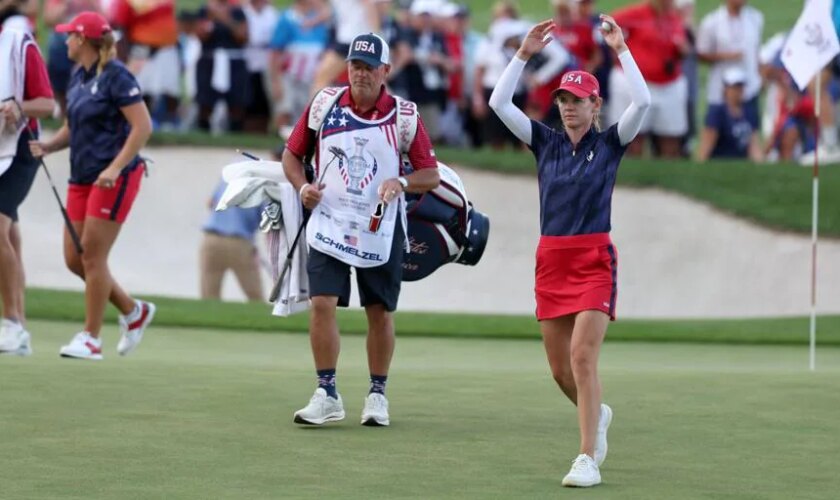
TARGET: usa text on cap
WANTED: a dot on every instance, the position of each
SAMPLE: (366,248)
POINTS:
(371,49)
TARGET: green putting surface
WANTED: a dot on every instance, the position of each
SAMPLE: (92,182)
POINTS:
(208,414)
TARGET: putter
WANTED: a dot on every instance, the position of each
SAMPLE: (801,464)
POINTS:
(77,242)
(275,292)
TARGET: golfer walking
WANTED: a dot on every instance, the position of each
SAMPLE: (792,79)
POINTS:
(576,260)
(107,124)
(342,234)
(26,94)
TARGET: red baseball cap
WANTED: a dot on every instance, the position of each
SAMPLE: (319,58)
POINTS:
(88,24)
(579,83)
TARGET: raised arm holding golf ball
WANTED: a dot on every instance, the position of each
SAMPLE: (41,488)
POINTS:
(576,269)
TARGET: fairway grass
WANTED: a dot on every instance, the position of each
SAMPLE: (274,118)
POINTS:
(207,414)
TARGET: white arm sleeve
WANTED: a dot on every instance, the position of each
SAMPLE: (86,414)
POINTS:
(501,101)
(631,120)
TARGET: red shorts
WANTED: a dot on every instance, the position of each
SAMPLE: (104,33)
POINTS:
(87,200)
(576,273)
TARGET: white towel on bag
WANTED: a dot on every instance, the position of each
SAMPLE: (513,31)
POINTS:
(256,183)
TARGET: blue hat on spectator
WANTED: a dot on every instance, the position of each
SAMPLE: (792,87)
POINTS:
(371,49)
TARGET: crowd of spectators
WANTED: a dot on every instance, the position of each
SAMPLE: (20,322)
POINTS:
(246,65)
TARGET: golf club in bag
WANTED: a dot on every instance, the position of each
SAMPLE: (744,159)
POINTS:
(77,243)
(275,292)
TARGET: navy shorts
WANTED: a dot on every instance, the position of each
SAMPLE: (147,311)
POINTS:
(377,285)
(17,180)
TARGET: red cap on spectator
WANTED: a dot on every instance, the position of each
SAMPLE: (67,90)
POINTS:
(579,83)
(88,24)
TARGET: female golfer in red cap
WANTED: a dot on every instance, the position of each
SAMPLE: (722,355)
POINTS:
(107,124)
(576,260)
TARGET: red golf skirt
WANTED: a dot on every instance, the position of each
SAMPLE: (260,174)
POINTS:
(576,273)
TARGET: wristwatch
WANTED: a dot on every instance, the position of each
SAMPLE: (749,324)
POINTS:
(403,182)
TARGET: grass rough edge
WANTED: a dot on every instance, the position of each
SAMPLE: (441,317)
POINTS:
(62,305)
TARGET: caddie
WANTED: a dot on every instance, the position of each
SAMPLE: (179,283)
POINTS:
(358,215)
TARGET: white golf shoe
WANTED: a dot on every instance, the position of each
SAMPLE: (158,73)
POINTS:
(12,335)
(584,472)
(132,332)
(14,339)
(321,409)
(83,346)
(375,413)
(601,437)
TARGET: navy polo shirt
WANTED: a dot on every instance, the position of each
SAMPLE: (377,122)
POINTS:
(576,184)
(98,129)
(734,132)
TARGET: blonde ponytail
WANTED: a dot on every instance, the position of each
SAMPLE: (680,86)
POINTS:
(105,46)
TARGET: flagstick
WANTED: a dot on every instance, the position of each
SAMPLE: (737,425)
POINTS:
(814,221)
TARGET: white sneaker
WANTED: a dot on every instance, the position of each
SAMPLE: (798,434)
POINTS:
(375,413)
(12,335)
(828,155)
(25,348)
(584,472)
(83,346)
(321,409)
(601,437)
(132,333)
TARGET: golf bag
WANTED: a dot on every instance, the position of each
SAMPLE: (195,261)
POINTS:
(443,227)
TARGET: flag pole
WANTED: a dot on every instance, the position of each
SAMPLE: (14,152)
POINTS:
(814,222)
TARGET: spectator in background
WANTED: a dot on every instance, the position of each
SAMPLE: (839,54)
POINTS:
(505,9)
(690,67)
(471,40)
(396,35)
(496,52)
(730,36)
(729,133)
(829,152)
(350,18)
(299,39)
(657,38)
(585,12)
(59,64)
(452,123)
(262,19)
(221,72)
(576,35)
(429,66)
(150,37)
(228,245)
(190,51)
(788,121)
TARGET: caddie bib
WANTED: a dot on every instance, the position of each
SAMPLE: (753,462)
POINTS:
(340,224)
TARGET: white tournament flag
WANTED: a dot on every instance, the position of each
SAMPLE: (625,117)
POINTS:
(812,43)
